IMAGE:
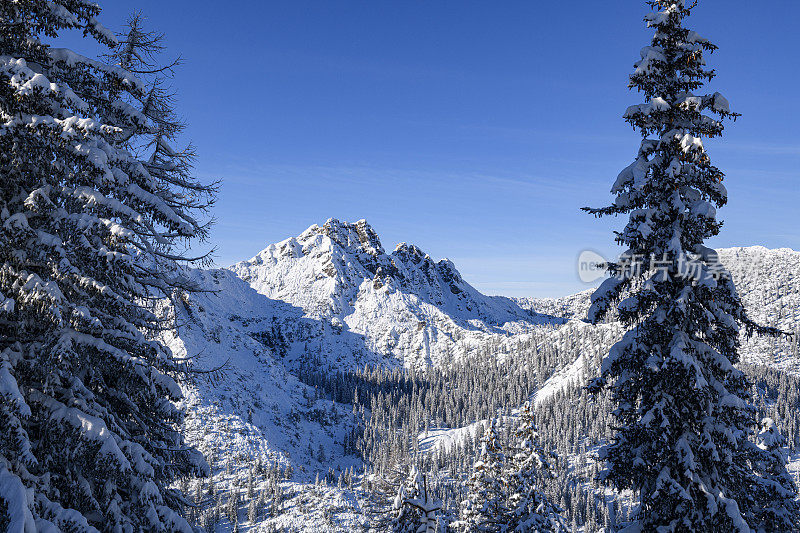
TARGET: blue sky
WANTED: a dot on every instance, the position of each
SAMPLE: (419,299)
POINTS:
(475,130)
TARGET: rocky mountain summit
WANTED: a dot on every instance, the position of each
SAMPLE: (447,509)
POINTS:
(408,307)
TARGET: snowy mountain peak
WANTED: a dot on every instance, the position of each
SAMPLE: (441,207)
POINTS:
(338,262)
(402,303)
(354,238)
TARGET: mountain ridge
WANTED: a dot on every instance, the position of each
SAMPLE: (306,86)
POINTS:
(402,302)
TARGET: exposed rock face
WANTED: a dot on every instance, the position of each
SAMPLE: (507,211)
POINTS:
(358,237)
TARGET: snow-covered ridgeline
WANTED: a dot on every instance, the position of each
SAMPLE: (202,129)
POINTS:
(408,308)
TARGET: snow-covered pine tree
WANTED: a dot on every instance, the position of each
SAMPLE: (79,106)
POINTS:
(485,508)
(684,422)
(776,494)
(88,236)
(530,510)
(416,510)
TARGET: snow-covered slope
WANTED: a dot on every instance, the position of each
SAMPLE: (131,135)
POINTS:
(768,282)
(253,395)
(408,308)
(571,306)
(330,297)
(252,413)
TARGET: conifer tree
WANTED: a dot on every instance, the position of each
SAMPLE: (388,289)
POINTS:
(530,510)
(89,236)
(773,499)
(485,508)
(684,420)
(416,509)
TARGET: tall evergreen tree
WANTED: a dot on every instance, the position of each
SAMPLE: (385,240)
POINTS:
(684,421)
(88,234)
(530,510)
